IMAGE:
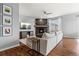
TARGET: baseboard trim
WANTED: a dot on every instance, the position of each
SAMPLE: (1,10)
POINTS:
(70,37)
(9,47)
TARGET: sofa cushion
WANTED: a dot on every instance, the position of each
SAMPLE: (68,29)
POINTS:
(58,32)
(48,35)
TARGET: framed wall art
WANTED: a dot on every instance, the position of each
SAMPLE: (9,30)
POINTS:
(7,10)
(7,20)
(7,31)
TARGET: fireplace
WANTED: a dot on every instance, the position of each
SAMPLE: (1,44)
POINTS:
(41,30)
(41,26)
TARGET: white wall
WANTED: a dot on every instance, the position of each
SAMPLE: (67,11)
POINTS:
(70,25)
(8,41)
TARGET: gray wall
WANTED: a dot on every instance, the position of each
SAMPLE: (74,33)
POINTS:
(70,25)
(8,41)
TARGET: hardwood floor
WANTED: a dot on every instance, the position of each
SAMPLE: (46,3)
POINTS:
(71,47)
(20,51)
(67,47)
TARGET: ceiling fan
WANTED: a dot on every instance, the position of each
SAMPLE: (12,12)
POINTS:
(47,13)
(44,14)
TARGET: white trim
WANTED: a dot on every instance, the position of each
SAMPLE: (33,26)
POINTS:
(9,47)
(71,37)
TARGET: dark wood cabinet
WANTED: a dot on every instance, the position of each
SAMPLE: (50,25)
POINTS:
(42,22)
(23,34)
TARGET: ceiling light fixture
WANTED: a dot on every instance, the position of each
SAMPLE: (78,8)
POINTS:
(44,13)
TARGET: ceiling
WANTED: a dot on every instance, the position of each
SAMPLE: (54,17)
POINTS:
(57,9)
